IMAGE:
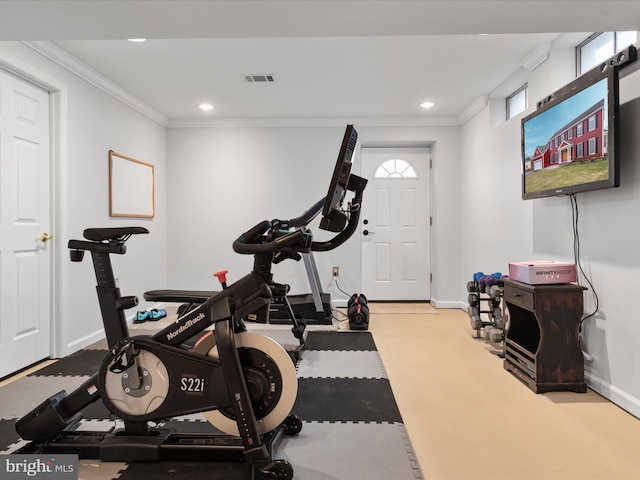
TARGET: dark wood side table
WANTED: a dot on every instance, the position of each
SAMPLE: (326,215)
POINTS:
(542,347)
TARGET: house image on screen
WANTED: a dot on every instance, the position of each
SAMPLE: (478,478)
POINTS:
(582,139)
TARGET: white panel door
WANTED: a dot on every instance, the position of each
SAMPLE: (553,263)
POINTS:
(25,255)
(395,224)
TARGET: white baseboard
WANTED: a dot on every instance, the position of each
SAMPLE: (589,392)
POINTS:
(342,303)
(83,342)
(339,303)
(448,304)
(621,398)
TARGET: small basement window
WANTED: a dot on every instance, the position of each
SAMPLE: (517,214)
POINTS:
(517,102)
(600,46)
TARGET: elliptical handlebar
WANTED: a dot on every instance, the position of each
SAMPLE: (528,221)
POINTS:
(306,218)
(249,243)
(341,237)
(356,185)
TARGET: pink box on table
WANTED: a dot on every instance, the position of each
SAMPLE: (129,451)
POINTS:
(542,272)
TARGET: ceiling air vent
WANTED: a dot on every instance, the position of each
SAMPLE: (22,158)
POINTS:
(259,78)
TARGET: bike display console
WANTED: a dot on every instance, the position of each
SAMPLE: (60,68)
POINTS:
(542,347)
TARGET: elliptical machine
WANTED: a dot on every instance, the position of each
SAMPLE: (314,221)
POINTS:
(244,383)
(334,219)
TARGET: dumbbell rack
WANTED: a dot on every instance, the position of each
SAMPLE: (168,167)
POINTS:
(495,322)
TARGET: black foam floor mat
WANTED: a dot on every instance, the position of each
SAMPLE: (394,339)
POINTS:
(346,400)
(8,433)
(83,363)
(320,340)
(354,403)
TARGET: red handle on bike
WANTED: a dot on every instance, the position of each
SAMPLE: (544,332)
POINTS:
(222,277)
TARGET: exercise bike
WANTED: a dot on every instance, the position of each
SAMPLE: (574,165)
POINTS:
(244,383)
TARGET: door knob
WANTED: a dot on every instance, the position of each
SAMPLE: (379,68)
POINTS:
(367,232)
(45,237)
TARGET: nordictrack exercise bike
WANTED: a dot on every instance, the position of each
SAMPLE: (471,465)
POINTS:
(245,384)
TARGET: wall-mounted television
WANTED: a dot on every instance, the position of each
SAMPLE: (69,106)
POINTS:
(570,143)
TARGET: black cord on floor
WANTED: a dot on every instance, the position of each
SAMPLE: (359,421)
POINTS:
(340,320)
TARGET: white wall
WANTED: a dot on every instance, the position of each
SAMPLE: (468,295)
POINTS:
(224,180)
(499,227)
(92,123)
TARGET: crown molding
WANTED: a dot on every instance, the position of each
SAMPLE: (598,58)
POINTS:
(537,56)
(67,61)
(475,107)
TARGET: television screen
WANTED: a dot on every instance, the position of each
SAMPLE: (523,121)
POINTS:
(569,143)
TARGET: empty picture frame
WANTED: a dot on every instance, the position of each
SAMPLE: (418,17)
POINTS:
(131,185)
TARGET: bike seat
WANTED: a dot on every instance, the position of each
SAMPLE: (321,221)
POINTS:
(102,234)
(178,296)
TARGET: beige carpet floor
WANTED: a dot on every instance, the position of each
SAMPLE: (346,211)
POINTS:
(401,307)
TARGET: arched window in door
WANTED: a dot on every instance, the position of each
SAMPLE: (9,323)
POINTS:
(395,168)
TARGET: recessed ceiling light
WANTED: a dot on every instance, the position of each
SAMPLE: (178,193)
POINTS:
(205,106)
(427,105)
(137,40)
